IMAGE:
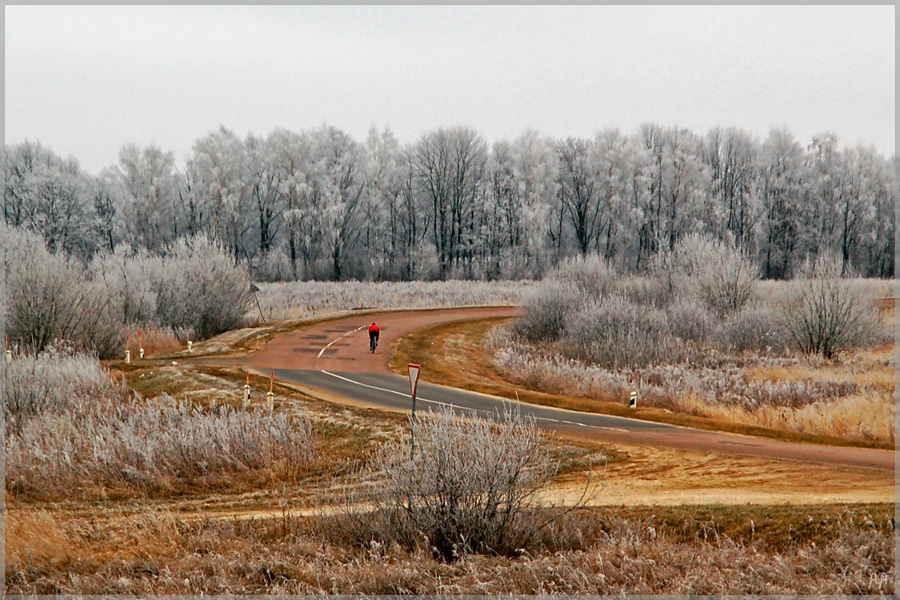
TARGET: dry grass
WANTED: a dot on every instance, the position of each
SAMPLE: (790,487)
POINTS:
(469,356)
(304,299)
(156,341)
(687,550)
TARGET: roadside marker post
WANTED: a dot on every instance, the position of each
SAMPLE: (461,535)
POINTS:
(246,402)
(141,343)
(270,397)
(634,393)
(414,371)
(8,352)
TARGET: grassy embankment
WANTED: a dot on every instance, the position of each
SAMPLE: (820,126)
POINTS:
(455,355)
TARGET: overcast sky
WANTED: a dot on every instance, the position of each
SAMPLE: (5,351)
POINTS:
(86,80)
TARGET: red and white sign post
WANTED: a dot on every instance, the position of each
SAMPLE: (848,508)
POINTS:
(413,384)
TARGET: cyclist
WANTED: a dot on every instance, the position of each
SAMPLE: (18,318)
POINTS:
(374,332)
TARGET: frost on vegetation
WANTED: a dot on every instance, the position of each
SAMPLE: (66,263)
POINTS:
(706,271)
(70,426)
(469,487)
(721,387)
(194,290)
(300,299)
(701,298)
(150,444)
(825,313)
(53,381)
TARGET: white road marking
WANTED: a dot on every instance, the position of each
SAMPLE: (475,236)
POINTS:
(328,345)
(420,399)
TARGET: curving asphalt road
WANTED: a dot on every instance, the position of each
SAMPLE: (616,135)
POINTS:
(333,357)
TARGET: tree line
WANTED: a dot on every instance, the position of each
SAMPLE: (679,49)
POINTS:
(317,204)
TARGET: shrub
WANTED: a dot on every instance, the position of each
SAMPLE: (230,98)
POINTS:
(547,309)
(708,271)
(755,328)
(126,277)
(615,333)
(199,288)
(562,294)
(468,489)
(690,321)
(591,274)
(43,291)
(826,314)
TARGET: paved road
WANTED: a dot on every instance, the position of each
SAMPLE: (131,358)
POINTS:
(333,357)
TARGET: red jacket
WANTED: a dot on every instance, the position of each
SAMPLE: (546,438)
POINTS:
(373,327)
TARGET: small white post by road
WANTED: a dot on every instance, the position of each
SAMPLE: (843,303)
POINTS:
(141,351)
(634,393)
(141,343)
(414,371)
(128,357)
(8,352)
(190,346)
(246,401)
(270,397)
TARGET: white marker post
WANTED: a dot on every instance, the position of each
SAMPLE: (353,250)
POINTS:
(634,394)
(413,384)
(245,404)
(270,397)
(190,346)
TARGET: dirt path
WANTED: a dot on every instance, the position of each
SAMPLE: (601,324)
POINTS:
(343,344)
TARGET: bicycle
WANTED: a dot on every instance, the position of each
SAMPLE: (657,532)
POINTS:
(373,343)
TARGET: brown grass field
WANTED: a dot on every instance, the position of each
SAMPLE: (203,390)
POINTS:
(655,521)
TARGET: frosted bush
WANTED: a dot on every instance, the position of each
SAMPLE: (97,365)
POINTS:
(647,291)
(126,278)
(274,265)
(706,270)
(43,291)
(616,333)
(563,294)
(591,274)
(825,313)
(468,488)
(200,288)
(547,309)
(755,328)
(690,321)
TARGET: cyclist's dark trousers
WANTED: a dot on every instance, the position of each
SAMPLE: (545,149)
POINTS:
(373,334)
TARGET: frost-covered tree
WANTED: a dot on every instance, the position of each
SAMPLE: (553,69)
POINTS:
(218,187)
(263,182)
(49,195)
(579,193)
(731,157)
(781,193)
(449,166)
(148,187)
